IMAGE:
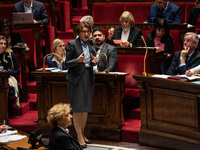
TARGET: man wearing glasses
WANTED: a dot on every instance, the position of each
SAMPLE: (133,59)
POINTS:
(164,9)
(187,58)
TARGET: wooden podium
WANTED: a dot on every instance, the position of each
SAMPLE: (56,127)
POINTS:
(4,96)
(106,119)
(170,113)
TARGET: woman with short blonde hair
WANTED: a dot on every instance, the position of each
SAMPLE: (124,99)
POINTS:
(59,116)
(127,35)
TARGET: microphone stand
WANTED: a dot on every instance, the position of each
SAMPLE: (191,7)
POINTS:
(45,58)
(144,73)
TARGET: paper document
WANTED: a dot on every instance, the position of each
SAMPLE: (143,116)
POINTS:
(10,136)
(160,76)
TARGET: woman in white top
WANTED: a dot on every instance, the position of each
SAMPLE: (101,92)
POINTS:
(127,33)
(58,47)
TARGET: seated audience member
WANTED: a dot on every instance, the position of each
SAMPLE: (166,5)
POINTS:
(9,63)
(104,48)
(60,139)
(88,19)
(128,33)
(194,71)
(58,47)
(6,28)
(35,7)
(164,9)
(187,58)
(3,128)
(161,38)
(194,17)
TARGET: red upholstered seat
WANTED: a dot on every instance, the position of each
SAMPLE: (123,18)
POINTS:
(64,15)
(187,10)
(140,11)
(107,12)
(176,38)
(6,11)
(132,64)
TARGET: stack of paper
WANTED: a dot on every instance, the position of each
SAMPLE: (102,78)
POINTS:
(10,136)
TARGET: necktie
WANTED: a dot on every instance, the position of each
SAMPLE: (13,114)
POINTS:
(186,59)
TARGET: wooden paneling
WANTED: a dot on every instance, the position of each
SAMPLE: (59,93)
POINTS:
(106,119)
(169,113)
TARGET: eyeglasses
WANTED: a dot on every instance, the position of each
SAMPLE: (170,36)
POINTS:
(88,32)
(187,40)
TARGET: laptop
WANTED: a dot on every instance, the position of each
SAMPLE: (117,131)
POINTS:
(22,18)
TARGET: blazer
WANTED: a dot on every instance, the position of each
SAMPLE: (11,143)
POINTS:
(53,63)
(174,68)
(173,13)
(39,11)
(73,51)
(193,16)
(134,36)
(111,53)
(168,41)
(60,140)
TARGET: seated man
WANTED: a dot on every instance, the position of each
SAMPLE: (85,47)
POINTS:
(188,58)
(164,9)
(37,8)
(104,48)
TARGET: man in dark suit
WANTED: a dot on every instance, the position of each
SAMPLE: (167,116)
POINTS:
(104,49)
(37,8)
(164,9)
(188,58)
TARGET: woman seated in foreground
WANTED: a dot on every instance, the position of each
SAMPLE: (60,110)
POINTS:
(128,33)
(9,63)
(161,38)
(60,139)
(58,47)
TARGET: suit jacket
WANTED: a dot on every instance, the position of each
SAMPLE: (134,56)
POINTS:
(111,53)
(134,36)
(39,11)
(60,140)
(73,51)
(174,68)
(173,13)
(194,14)
(53,63)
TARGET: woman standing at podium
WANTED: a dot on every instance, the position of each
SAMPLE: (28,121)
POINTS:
(161,38)
(80,79)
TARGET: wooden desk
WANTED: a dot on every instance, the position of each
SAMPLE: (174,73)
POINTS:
(106,119)
(4,95)
(169,113)
(20,143)
(38,33)
(155,57)
(21,52)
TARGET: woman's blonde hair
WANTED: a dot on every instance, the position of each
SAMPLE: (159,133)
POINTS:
(127,16)
(57,112)
(55,43)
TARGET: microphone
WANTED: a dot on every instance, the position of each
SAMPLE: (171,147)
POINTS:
(45,58)
(93,43)
(144,73)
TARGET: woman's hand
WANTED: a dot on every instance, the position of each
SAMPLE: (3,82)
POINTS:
(94,59)
(81,58)
(188,73)
(3,128)
(110,33)
(126,44)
